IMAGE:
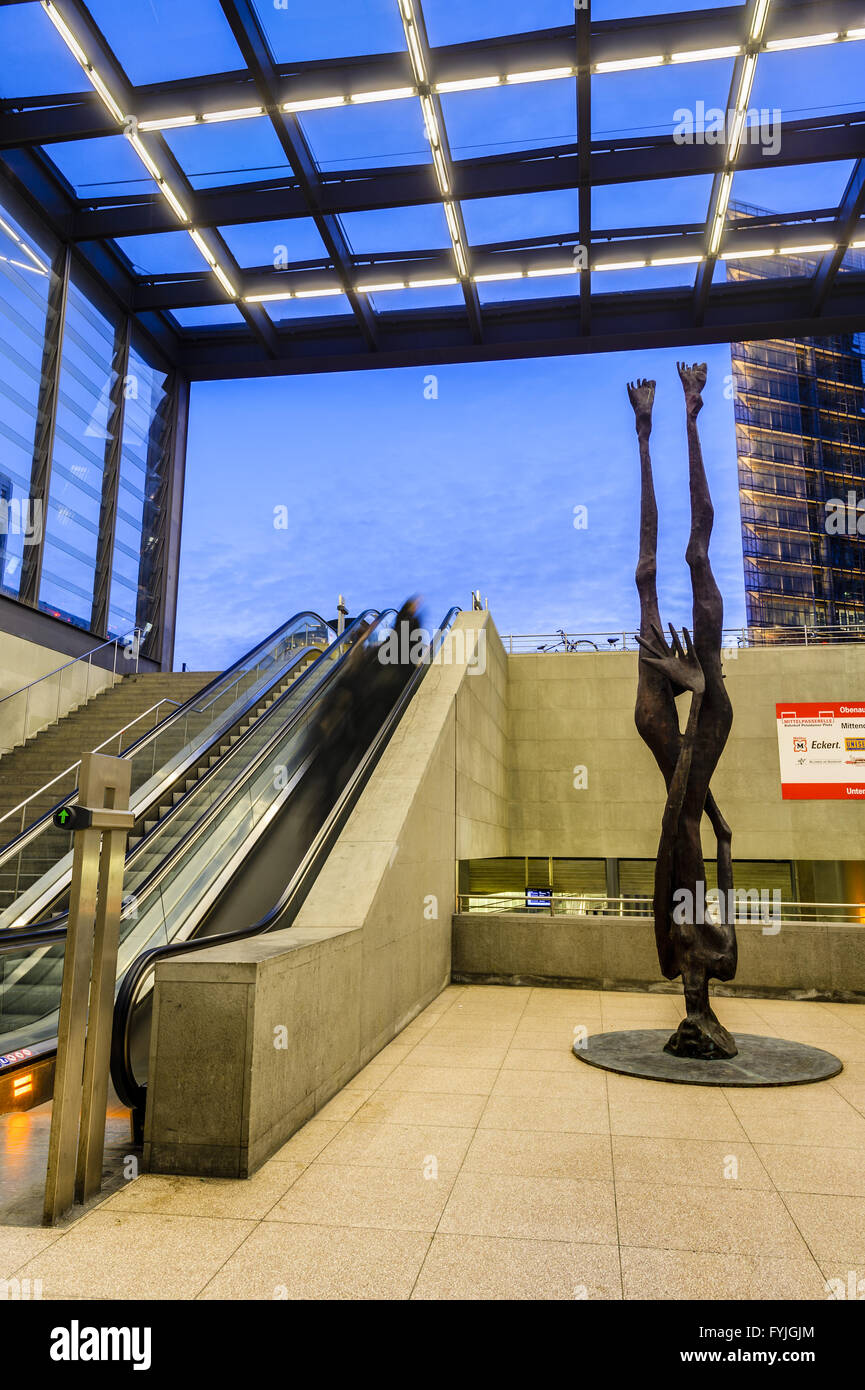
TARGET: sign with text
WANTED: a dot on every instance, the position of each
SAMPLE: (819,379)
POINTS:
(821,748)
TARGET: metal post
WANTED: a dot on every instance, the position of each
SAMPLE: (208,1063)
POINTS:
(91,1143)
(341,615)
(81,1073)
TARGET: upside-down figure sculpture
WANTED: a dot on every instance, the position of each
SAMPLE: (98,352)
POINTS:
(698,950)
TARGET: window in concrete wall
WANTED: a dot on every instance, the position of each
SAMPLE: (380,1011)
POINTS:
(25,281)
(637,876)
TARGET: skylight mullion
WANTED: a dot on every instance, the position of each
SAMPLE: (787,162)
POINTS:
(417,43)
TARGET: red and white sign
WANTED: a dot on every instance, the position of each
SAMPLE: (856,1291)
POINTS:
(821,748)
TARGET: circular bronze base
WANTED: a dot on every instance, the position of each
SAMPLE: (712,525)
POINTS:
(759,1061)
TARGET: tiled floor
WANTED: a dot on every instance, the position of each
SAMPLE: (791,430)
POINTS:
(475,1157)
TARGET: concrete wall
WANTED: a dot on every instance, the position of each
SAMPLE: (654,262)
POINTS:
(482,749)
(370,948)
(816,960)
(22,662)
(567,709)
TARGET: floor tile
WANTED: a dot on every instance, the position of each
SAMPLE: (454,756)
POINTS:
(807,1168)
(539,1154)
(423,1107)
(122,1254)
(687,1274)
(473,1081)
(374,1145)
(725,1220)
(551,1113)
(394,1199)
(286,1261)
(531,1208)
(250,1198)
(475,1267)
(696,1162)
(833,1226)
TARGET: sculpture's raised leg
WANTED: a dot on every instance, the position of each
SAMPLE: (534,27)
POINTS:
(704,949)
(696,950)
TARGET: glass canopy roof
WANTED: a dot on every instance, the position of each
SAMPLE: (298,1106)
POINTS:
(465,173)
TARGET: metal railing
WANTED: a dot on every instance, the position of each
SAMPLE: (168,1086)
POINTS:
(767,909)
(70,774)
(733,638)
(48,709)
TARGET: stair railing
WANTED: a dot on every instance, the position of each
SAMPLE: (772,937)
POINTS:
(72,770)
(39,696)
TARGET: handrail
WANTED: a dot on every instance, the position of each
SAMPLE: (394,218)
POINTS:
(85,656)
(187,707)
(51,925)
(213,810)
(579,904)
(733,638)
(118,733)
(130,1091)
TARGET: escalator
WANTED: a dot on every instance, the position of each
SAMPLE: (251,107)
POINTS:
(182,756)
(239,851)
(35,867)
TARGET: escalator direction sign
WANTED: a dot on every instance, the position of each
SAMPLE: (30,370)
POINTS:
(73,818)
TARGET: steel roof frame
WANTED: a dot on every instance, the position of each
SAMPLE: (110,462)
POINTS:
(366,336)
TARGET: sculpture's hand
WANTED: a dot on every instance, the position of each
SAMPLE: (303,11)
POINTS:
(642,398)
(693,379)
(681,667)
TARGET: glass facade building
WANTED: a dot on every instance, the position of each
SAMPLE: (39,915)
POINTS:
(87,448)
(800,434)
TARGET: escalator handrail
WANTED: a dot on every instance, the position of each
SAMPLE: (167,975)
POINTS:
(129,1090)
(53,930)
(13,847)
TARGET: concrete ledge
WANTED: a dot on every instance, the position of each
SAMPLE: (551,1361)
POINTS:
(249,1040)
(813,960)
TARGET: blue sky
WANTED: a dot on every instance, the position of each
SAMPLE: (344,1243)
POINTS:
(389,492)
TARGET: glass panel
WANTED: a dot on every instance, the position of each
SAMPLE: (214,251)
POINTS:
(163,40)
(422,228)
(139,507)
(656,203)
(97,168)
(207,316)
(161,253)
(501,119)
(793,189)
(24,287)
(298,30)
(228,152)
(36,61)
(375,134)
(649,101)
(87,374)
(274,243)
(490,220)
(427,297)
(328,306)
(454,21)
(811,81)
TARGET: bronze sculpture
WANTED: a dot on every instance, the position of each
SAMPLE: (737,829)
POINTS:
(698,950)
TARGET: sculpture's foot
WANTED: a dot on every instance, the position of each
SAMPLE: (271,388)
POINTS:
(702,1036)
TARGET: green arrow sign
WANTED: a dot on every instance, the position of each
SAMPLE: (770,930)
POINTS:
(73,818)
